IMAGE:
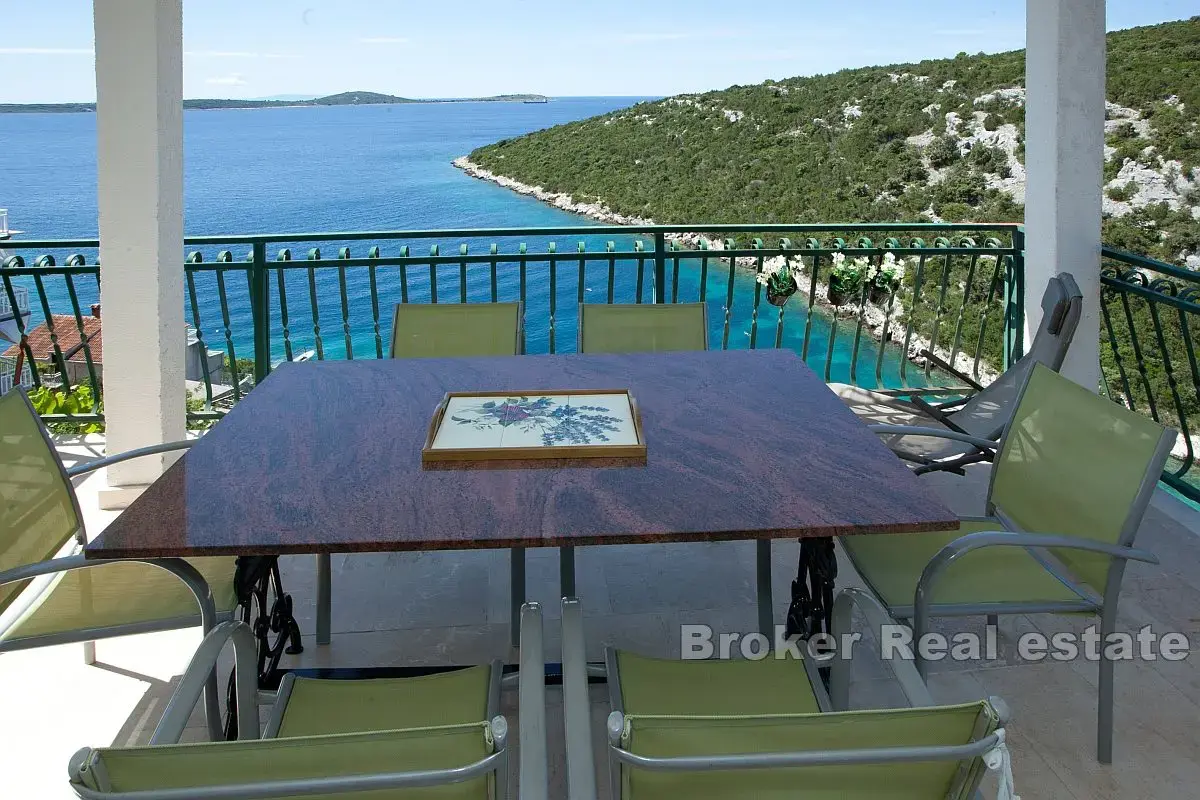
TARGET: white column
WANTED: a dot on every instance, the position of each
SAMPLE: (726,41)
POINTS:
(139,153)
(1064,159)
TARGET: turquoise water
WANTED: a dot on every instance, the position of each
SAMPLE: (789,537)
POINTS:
(299,170)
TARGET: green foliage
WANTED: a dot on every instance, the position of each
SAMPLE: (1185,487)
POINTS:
(245,369)
(1122,193)
(846,279)
(990,159)
(942,152)
(195,404)
(81,400)
(78,400)
(796,155)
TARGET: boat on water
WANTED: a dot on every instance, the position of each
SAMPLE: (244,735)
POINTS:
(537,100)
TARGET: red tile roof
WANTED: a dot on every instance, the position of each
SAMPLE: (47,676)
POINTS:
(68,340)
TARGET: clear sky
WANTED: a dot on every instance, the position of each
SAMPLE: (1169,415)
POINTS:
(455,48)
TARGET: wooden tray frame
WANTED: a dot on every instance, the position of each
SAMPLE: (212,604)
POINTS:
(430,455)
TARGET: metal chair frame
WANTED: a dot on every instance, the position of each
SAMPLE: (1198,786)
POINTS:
(207,617)
(1009,534)
(580,765)
(170,728)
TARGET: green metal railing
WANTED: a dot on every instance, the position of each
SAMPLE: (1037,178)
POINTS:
(1150,330)
(262,299)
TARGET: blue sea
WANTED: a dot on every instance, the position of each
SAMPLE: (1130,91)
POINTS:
(301,170)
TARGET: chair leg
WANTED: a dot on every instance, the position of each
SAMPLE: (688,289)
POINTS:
(1104,720)
(324,597)
(516,558)
(566,571)
(89,653)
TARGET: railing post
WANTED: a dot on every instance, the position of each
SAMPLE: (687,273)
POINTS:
(660,267)
(260,310)
(1014,312)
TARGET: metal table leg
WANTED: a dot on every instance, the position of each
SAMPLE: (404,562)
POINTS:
(766,616)
(566,571)
(811,610)
(265,607)
(324,597)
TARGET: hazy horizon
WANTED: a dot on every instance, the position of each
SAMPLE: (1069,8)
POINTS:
(437,51)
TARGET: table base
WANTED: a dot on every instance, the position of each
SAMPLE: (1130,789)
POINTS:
(811,610)
(267,610)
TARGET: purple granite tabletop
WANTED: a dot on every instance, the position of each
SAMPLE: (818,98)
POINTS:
(326,457)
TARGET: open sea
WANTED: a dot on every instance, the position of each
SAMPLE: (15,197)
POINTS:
(298,170)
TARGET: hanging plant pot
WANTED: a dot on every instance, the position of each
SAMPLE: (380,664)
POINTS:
(838,296)
(879,294)
(779,290)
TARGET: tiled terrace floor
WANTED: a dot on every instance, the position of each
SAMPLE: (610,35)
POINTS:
(427,608)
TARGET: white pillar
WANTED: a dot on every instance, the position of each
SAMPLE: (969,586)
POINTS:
(139,153)
(1064,159)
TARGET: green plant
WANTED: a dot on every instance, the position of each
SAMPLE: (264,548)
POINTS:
(76,401)
(1122,193)
(942,152)
(888,274)
(990,159)
(245,368)
(779,276)
(846,278)
(195,404)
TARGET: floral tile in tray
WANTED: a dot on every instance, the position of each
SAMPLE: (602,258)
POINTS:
(524,425)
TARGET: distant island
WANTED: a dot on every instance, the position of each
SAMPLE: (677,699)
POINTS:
(343,99)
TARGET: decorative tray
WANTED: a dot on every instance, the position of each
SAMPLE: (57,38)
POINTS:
(577,423)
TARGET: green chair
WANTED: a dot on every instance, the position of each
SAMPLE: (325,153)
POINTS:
(445,330)
(1071,480)
(634,328)
(435,736)
(642,328)
(49,594)
(448,330)
(723,729)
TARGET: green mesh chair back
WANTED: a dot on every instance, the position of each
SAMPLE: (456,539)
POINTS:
(678,736)
(642,328)
(448,330)
(38,511)
(1076,463)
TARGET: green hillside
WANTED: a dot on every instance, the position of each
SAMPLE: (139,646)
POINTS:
(911,142)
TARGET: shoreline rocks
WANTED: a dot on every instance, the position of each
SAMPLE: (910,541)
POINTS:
(873,317)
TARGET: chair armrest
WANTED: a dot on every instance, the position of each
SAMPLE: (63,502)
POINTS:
(534,767)
(915,430)
(191,686)
(178,567)
(922,600)
(581,769)
(190,576)
(911,683)
(808,758)
(945,366)
(117,458)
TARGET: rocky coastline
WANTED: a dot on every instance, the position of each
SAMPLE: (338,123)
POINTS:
(874,318)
